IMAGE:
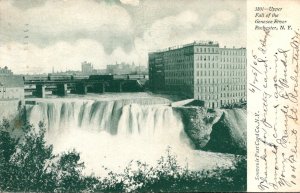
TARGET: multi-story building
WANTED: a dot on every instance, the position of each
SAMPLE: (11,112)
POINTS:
(201,70)
(86,68)
(124,68)
(233,75)
(11,87)
(156,71)
(11,95)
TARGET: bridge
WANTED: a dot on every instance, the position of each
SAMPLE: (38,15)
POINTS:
(94,84)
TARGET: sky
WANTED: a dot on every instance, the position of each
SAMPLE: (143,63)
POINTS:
(38,35)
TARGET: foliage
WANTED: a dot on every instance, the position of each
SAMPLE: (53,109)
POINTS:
(169,176)
(7,148)
(27,163)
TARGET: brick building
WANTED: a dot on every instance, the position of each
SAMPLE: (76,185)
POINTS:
(201,70)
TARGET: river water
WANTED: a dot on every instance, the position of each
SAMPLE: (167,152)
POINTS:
(110,130)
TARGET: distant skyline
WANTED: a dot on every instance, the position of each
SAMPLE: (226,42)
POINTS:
(36,35)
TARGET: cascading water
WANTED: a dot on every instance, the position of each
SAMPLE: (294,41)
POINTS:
(112,133)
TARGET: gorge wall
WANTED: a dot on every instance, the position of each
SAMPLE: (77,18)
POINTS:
(220,130)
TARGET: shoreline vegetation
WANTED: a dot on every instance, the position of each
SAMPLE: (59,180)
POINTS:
(28,164)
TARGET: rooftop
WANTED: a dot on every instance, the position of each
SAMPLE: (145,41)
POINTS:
(195,43)
(233,48)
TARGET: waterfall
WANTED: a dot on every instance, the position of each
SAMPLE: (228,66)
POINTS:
(109,116)
(59,116)
(111,133)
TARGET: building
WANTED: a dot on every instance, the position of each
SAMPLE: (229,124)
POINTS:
(87,68)
(11,95)
(5,71)
(124,68)
(11,88)
(201,70)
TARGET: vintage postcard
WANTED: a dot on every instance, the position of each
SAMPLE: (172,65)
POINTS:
(149,96)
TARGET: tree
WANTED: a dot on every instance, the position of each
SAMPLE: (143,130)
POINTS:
(7,148)
(69,169)
(32,162)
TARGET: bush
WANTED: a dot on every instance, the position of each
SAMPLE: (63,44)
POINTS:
(169,176)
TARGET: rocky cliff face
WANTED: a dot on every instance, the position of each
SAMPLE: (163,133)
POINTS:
(229,133)
(198,124)
(220,130)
